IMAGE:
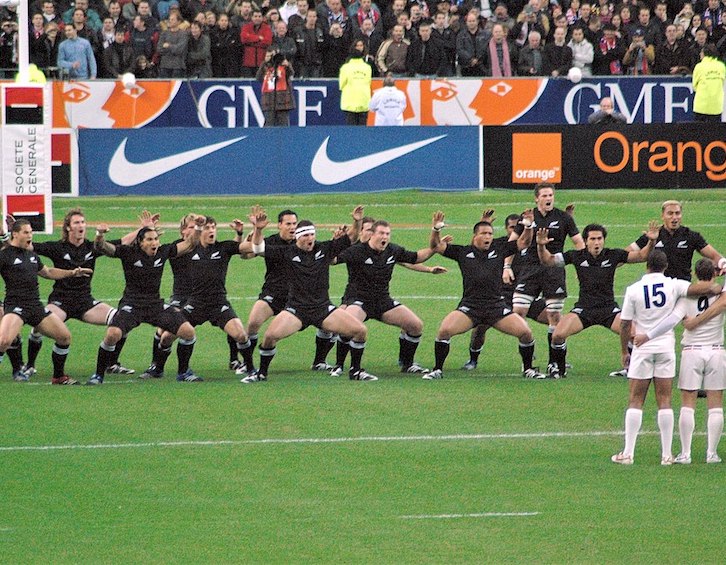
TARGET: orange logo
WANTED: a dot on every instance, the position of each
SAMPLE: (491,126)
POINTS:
(536,157)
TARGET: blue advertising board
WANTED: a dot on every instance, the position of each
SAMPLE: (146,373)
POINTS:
(182,161)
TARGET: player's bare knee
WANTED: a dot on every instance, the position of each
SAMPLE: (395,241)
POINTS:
(414,326)
(525,336)
(359,331)
(185,332)
(113,335)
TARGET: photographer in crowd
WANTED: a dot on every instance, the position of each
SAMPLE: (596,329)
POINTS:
(276,74)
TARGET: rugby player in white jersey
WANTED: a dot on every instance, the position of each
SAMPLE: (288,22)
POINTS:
(647,303)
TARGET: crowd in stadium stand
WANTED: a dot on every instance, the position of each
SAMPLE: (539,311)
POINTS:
(415,38)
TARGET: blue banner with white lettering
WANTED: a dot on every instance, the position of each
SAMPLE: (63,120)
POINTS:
(183,161)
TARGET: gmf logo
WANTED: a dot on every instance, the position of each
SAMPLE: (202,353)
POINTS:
(536,157)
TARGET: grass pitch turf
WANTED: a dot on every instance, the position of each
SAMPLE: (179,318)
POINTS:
(479,467)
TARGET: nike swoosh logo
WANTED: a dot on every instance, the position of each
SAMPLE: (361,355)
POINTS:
(125,173)
(326,171)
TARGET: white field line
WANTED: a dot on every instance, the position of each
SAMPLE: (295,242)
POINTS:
(573,297)
(476,515)
(321,440)
(104,384)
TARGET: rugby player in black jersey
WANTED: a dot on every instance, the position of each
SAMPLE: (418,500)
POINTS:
(143,264)
(370,269)
(207,301)
(535,278)
(273,294)
(307,264)
(20,267)
(595,266)
(481,264)
(343,346)
(679,243)
(72,298)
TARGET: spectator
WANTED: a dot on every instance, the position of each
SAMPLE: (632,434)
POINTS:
(172,48)
(392,53)
(608,53)
(409,32)
(114,12)
(650,29)
(50,15)
(272,16)
(161,9)
(297,20)
(355,86)
(526,23)
(425,58)
(639,57)
(309,47)
(75,55)
(472,47)
(606,114)
(583,52)
(256,37)
(697,46)
(557,56)
(47,54)
(141,38)
(93,20)
(242,14)
(144,69)
(683,17)
(446,38)
(366,10)
(106,35)
(144,10)
(530,61)
(118,58)
(331,11)
(226,49)
(289,8)
(671,58)
(335,49)
(371,37)
(199,53)
(282,42)
(389,17)
(500,16)
(8,62)
(715,12)
(502,54)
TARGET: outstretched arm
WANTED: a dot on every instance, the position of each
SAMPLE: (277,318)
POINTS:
(56,274)
(642,254)
(100,242)
(256,245)
(147,220)
(357,215)
(186,245)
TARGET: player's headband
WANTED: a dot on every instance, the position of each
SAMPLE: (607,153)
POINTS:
(305,230)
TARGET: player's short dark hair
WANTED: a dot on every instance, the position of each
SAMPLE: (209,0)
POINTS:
(480,224)
(210,220)
(284,213)
(304,223)
(705,269)
(594,227)
(657,262)
(540,185)
(368,220)
(379,223)
(18,225)
(67,221)
(511,217)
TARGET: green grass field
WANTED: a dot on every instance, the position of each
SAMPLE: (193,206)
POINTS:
(478,467)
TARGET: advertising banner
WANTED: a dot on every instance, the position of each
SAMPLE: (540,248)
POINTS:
(153,161)
(26,167)
(637,156)
(440,102)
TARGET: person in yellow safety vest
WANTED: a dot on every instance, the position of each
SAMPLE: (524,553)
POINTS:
(354,82)
(708,81)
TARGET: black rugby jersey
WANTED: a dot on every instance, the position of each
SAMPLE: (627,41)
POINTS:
(276,282)
(370,271)
(596,275)
(19,269)
(65,255)
(308,272)
(208,270)
(679,247)
(560,225)
(481,271)
(143,273)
